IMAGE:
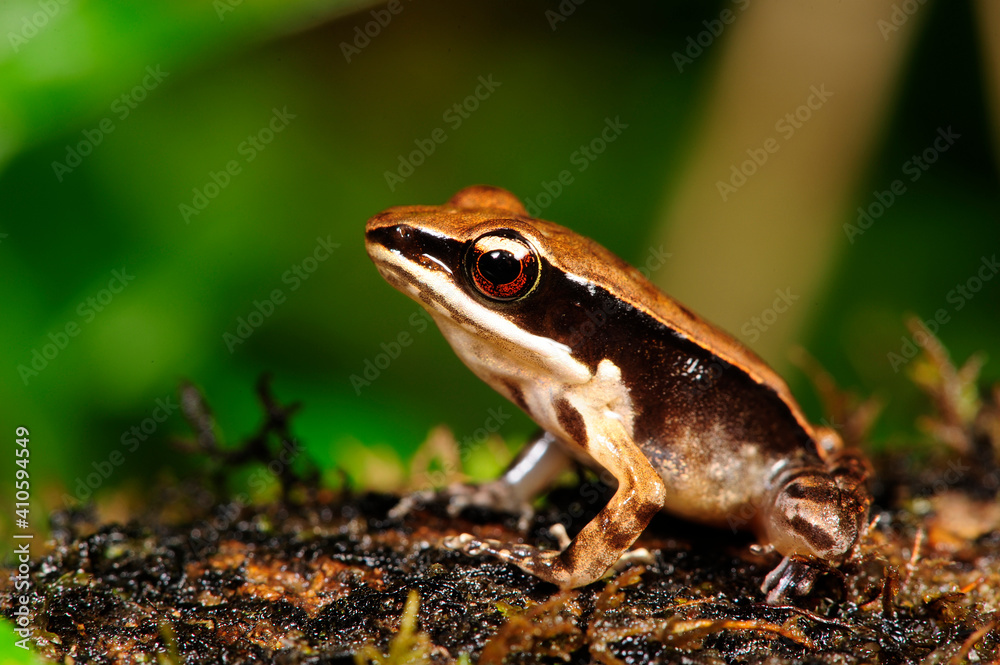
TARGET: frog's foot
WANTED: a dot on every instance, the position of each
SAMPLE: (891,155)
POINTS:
(527,558)
(558,531)
(792,577)
(494,496)
(411,502)
(639,555)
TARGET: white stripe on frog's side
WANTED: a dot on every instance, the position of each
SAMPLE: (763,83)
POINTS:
(604,396)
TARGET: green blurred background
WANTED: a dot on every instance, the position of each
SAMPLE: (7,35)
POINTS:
(221,72)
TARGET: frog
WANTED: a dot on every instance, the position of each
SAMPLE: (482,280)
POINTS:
(675,413)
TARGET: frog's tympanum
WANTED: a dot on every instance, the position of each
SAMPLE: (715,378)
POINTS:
(625,380)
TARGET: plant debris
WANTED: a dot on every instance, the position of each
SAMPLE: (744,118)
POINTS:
(320,576)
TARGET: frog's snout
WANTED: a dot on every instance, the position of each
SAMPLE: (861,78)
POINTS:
(388,235)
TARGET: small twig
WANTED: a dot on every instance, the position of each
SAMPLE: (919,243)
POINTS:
(953,391)
(971,642)
(846,411)
(692,629)
(199,416)
(277,418)
(911,565)
(810,615)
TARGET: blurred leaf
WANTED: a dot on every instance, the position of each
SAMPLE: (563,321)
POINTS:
(62,61)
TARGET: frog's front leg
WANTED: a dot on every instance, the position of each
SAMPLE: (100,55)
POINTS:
(528,475)
(792,577)
(600,543)
(540,461)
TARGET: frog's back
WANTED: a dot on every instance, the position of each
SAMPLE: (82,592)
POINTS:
(597,265)
(712,417)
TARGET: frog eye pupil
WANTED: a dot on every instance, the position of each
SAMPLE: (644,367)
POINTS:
(502,266)
(499,266)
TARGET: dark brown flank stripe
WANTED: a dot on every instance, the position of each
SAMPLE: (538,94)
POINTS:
(516,394)
(807,486)
(558,309)
(812,534)
(571,420)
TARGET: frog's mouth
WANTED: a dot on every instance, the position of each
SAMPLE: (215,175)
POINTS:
(420,264)
(427,267)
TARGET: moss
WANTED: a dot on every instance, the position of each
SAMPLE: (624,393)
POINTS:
(324,577)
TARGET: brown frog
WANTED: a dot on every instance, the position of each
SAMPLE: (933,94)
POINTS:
(625,380)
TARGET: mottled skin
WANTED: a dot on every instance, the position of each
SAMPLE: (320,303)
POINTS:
(625,379)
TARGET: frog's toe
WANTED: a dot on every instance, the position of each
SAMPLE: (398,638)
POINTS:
(558,532)
(411,502)
(466,543)
(517,553)
(494,495)
(491,496)
(792,577)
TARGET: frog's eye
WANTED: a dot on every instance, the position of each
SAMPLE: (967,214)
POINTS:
(502,266)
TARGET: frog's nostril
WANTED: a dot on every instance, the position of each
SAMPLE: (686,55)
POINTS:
(398,237)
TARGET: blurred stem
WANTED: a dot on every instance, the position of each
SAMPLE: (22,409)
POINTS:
(989,31)
(781,230)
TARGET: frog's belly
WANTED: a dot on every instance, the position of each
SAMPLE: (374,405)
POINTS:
(714,481)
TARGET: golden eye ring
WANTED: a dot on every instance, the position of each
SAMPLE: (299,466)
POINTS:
(502,266)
